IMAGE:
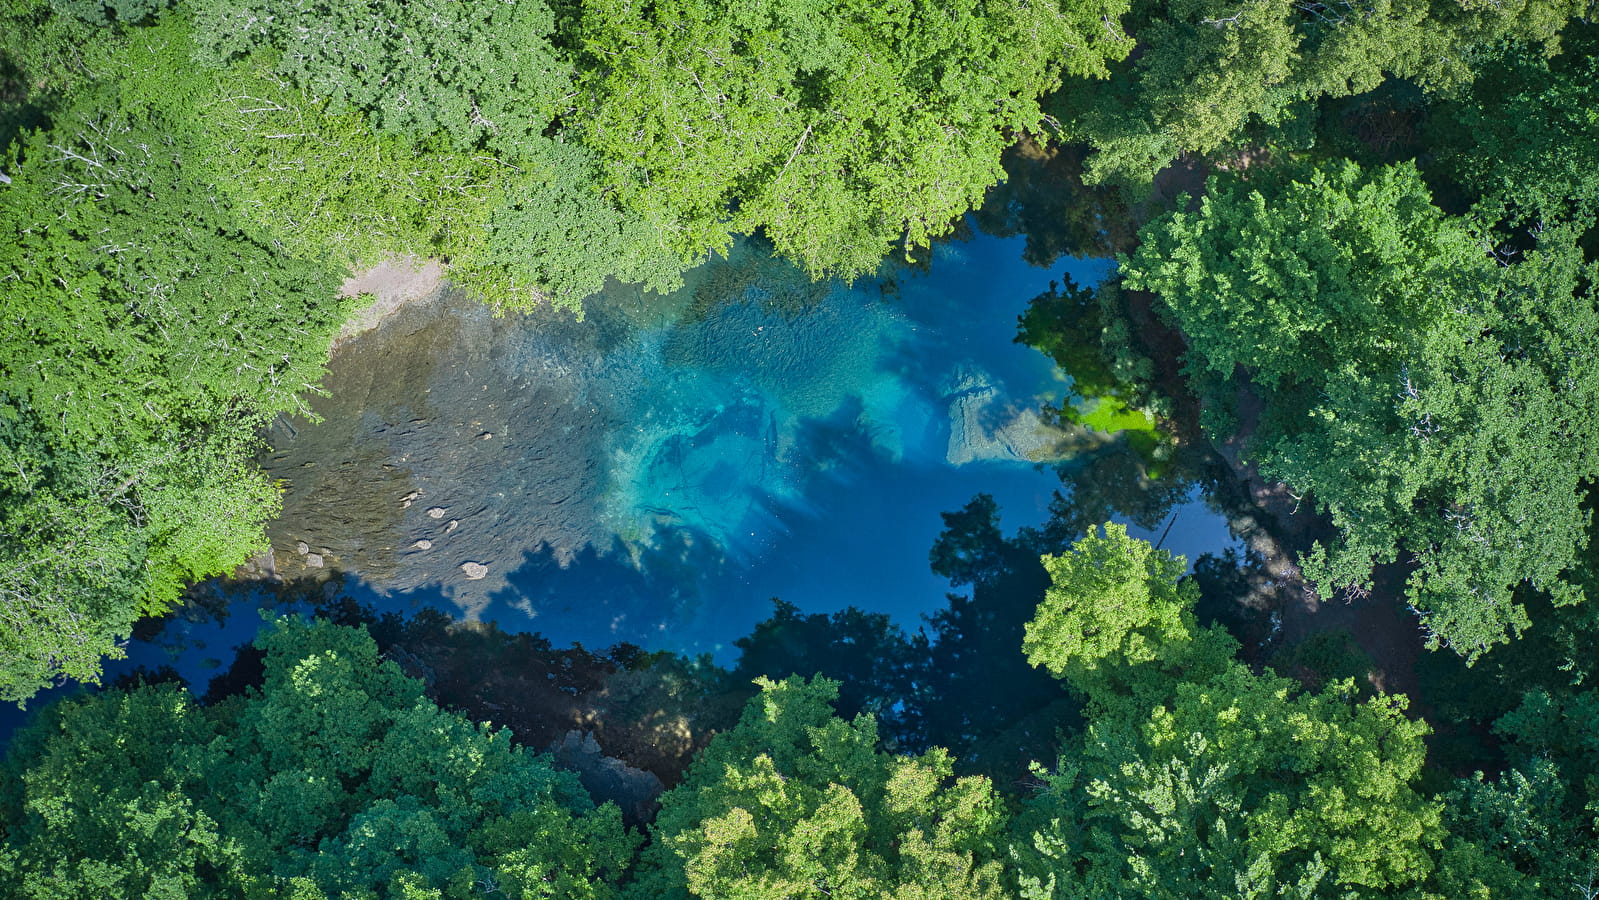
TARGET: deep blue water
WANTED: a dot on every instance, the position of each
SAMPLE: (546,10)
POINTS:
(855,524)
(658,473)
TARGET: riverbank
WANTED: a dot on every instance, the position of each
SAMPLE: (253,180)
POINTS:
(392,284)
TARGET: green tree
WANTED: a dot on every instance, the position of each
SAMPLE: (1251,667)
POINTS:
(325,183)
(481,74)
(1527,137)
(1427,398)
(336,778)
(1239,786)
(1208,780)
(838,128)
(1114,601)
(1210,71)
(1532,831)
(796,803)
(146,332)
(133,298)
(69,562)
(386,128)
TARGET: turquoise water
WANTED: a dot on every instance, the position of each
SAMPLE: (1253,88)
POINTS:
(660,471)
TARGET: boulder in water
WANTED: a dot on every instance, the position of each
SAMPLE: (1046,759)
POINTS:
(633,790)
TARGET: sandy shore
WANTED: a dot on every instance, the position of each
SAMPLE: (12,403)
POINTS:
(392,284)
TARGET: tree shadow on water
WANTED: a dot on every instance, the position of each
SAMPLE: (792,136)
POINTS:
(633,592)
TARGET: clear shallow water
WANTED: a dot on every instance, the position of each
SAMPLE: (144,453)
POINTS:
(660,471)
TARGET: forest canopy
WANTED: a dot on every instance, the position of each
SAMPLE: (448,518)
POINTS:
(1430,396)
(1356,252)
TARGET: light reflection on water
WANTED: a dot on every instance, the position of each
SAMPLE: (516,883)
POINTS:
(661,470)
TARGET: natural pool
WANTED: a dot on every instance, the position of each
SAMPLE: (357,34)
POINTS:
(658,472)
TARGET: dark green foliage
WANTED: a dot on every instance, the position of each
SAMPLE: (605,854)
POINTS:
(1526,140)
(1533,832)
(336,778)
(41,54)
(1323,658)
(107,12)
(1211,70)
(1436,404)
(871,659)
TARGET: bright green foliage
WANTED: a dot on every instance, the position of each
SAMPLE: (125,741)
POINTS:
(336,779)
(1236,787)
(554,233)
(837,127)
(374,129)
(1427,398)
(1336,268)
(145,333)
(1118,625)
(69,562)
(88,543)
(1207,780)
(1113,601)
(1210,69)
(1207,69)
(482,74)
(323,183)
(132,301)
(796,804)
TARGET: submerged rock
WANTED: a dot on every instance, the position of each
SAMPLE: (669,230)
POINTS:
(984,425)
(634,791)
(474,570)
